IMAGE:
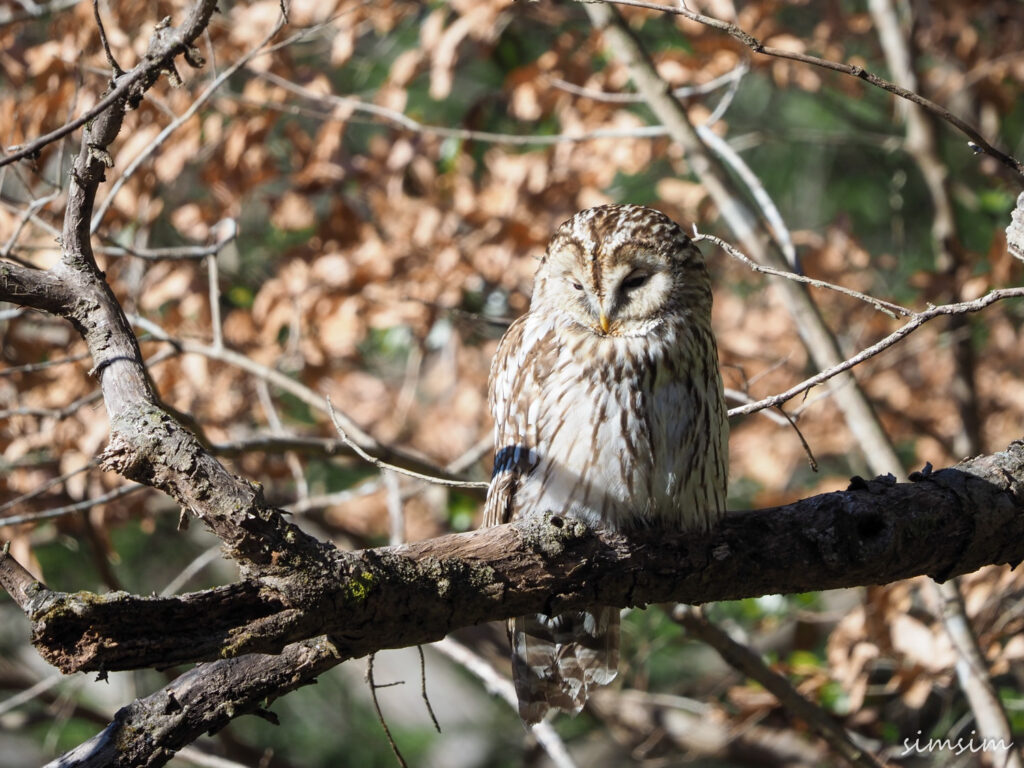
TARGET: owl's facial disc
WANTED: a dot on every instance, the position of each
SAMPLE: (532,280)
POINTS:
(621,299)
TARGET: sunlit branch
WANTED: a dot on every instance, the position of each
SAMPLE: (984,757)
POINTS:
(977,140)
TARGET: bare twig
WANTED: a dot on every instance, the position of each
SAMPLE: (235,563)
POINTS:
(277,428)
(683,92)
(812,462)
(213,278)
(382,465)
(749,663)
(13,702)
(123,85)
(886,307)
(916,321)
(49,514)
(973,674)
(173,253)
(396,511)
(423,689)
(321,501)
(178,122)
(279,443)
(380,715)
(193,756)
(36,367)
(54,413)
(27,215)
(114,66)
(365,441)
(46,486)
(743,397)
(977,140)
(499,685)
(472,455)
(347,104)
(779,231)
(73,407)
(202,560)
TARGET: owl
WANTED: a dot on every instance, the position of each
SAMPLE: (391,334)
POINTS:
(607,403)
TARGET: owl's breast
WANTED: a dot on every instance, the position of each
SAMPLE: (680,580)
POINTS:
(610,427)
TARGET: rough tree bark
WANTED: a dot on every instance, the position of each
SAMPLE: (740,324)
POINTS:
(942,524)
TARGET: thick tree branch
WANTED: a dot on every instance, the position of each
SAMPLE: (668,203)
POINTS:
(150,730)
(146,444)
(943,524)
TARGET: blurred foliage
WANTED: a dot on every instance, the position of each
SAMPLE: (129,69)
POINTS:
(378,264)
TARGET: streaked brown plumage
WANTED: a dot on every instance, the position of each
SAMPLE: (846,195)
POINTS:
(608,407)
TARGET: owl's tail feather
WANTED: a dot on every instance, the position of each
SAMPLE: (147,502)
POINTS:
(557,659)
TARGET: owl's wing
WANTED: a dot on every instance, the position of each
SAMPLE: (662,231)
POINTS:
(512,389)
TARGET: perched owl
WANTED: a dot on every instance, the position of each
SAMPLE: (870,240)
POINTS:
(607,402)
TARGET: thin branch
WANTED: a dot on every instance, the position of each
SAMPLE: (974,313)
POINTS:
(202,560)
(13,702)
(500,686)
(322,501)
(36,367)
(80,506)
(274,443)
(122,86)
(769,413)
(749,663)
(396,510)
(114,66)
(380,715)
(972,672)
(886,307)
(348,104)
(423,689)
(778,229)
(203,760)
(977,140)
(917,319)
(213,280)
(54,413)
(686,91)
(173,253)
(472,455)
(178,122)
(393,456)
(27,215)
(384,466)
(803,441)
(715,143)
(277,428)
(76,405)
(46,486)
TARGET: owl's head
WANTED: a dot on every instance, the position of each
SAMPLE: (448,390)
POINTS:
(623,270)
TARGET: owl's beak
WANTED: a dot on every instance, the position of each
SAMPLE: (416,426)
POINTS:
(605,322)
